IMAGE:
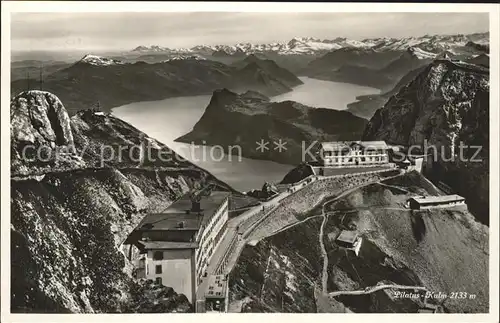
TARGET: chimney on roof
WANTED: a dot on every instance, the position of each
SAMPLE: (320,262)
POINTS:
(180,225)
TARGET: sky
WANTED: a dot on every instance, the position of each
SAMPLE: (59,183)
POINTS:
(125,31)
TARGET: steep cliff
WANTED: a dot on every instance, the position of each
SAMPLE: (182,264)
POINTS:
(445,106)
(82,186)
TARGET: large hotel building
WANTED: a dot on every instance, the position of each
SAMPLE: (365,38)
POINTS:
(176,245)
(354,153)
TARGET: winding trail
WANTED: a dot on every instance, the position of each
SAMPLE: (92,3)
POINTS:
(395,187)
(295,223)
(324,275)
(369,290)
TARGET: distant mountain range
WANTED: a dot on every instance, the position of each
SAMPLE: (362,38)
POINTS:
(311,45)
(96,81)
(375,68)
(155,72)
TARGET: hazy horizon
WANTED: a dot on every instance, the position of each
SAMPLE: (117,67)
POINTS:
(124,31)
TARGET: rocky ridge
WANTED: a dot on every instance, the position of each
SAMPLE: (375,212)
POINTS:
(446,104)
(71,211)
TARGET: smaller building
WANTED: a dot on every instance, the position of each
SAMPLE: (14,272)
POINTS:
(427,202)
(404,164)
(350,240)
(417,163)
(176,245)
(216,294)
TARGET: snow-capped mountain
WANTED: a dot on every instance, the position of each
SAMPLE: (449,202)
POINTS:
(420,53)
(99,60)
(160,49)
(430,43)
(315,46)
(184,57)
(412,58)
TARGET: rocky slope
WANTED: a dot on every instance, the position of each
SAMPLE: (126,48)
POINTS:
(411,59)
(233,120)
(442,250)
(366,105)
(109,83)
(445,104)
(81,185)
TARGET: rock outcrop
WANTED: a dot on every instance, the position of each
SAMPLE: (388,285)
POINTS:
(445,105)
(73,206)
(268,190)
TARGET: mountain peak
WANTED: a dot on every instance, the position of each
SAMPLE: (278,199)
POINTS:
(140,48)
(184,57)
(420,53)
(37,118)
(99,60)
(252,58)
(152,48)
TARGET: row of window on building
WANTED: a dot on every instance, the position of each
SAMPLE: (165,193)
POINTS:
(362,159)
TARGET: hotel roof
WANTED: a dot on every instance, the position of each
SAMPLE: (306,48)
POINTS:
(334,145)
(168,245)
(374,144)
(178,215)
(438,199)
(338,145)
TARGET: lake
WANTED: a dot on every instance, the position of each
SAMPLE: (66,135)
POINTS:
(325,94)
(169,119)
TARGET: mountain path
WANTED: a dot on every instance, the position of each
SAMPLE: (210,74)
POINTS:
(372,289)
(324,275)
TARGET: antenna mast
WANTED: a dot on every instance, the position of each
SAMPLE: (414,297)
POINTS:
(41,77)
